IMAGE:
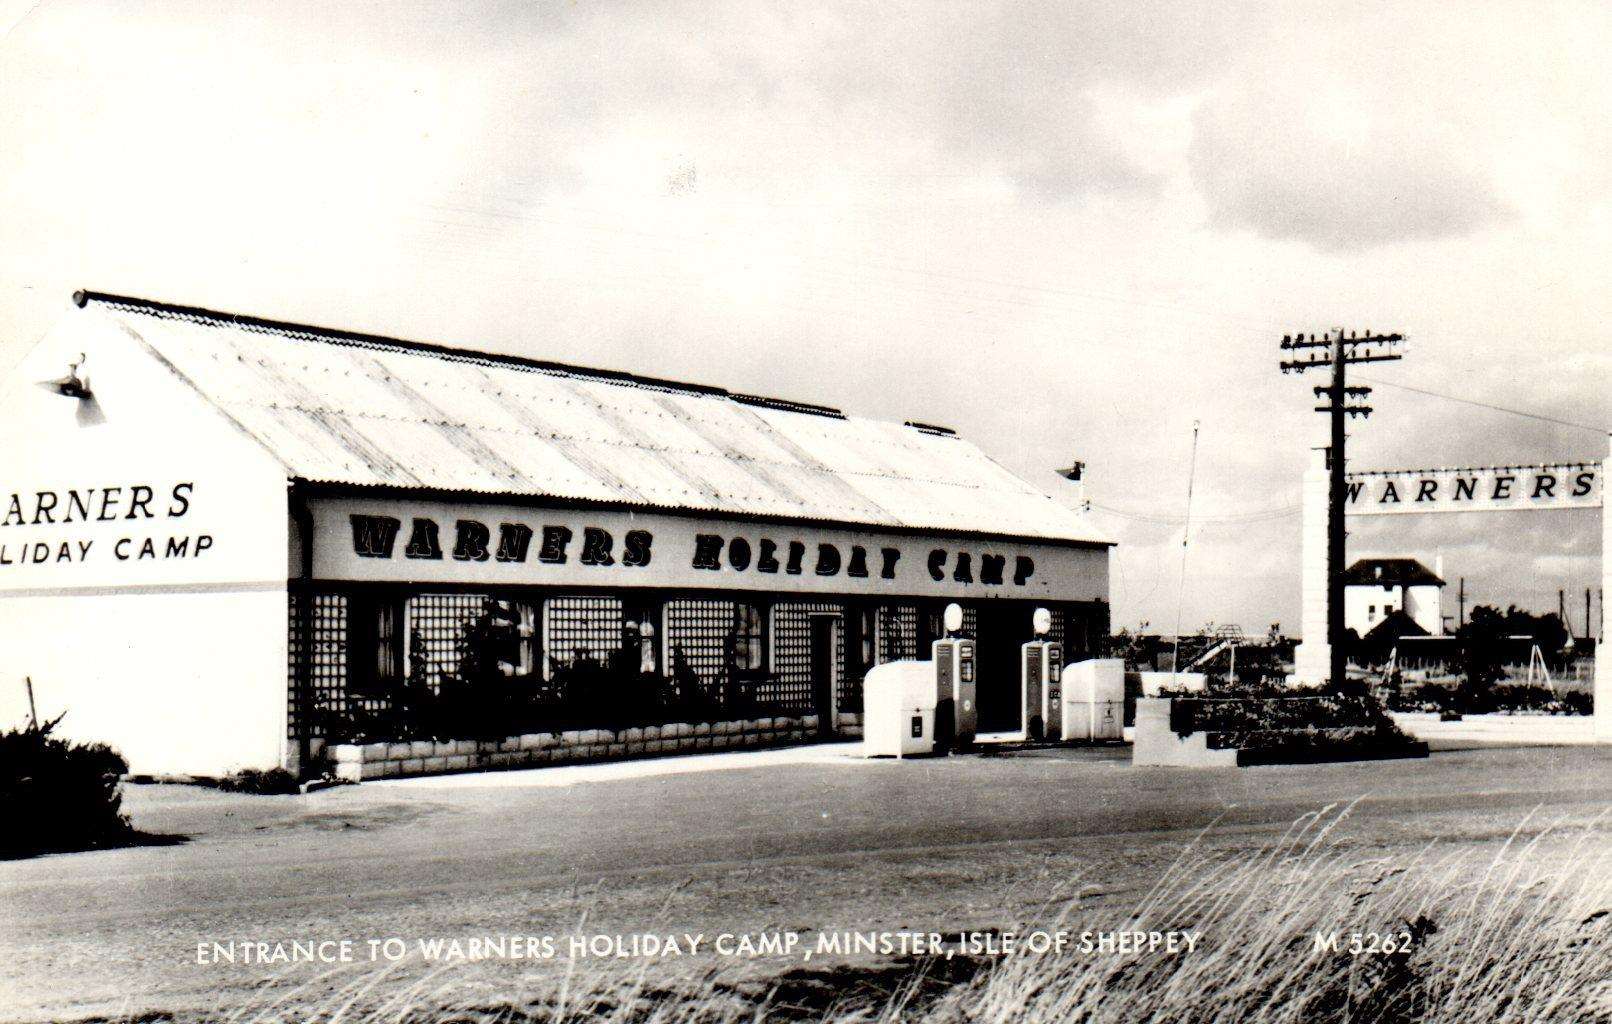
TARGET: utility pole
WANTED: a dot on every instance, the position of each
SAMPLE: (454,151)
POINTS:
(1338,353)
(1462,599)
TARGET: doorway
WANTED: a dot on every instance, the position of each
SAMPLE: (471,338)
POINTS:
(825,645)
(1003,630)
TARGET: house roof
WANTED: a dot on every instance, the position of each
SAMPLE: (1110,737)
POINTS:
(1390,572)
(1396,625)
(345,408)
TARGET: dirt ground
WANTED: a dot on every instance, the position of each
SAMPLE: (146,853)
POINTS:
(835,843)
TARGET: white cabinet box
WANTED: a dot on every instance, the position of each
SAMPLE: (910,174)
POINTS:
(1094,700)
(898,709)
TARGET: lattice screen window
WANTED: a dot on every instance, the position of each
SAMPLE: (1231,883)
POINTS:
(581,628)
(898,632)
(436,623)
(294,661)
(792,651)
(699,635)
(937,623)
(1057,631)
(325,661)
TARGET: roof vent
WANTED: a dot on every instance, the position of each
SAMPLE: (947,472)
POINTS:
(930,428)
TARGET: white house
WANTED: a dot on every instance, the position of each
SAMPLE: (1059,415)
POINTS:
(1376,587)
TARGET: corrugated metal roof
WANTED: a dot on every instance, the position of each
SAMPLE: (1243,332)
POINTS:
(355,409)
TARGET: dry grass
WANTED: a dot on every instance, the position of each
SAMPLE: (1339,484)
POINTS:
(1513,932)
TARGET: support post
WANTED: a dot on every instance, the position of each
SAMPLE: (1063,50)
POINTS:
(1336,459)
(1603,654)
(1312,661)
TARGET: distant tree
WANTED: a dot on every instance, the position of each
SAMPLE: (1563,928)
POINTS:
(1486,646)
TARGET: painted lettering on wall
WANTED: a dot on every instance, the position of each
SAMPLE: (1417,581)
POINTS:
(375,536)
(472,540)
(715,553)
(88,508)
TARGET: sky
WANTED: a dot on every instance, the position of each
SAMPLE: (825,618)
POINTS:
(1070,231)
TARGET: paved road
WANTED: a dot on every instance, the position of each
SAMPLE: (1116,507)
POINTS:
(822,841)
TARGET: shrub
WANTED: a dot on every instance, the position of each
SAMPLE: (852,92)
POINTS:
(57,796)
(275,781)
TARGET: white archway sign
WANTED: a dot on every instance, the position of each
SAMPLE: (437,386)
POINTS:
(1542,487)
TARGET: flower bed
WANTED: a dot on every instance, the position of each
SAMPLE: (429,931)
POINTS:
(1248,714)
(1240,731)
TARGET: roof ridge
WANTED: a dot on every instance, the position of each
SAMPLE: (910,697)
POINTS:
(381,342)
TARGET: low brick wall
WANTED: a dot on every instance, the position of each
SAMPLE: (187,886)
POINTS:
(356,762)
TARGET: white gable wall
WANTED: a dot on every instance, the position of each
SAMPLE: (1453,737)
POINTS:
(144,588)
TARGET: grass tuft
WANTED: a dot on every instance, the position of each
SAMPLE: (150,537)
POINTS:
(1518,932)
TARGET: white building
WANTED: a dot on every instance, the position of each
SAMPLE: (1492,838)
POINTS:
(227,542)
(1376,587)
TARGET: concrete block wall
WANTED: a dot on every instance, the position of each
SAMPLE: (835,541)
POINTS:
(1155,744)
(1154,683)
(357,762)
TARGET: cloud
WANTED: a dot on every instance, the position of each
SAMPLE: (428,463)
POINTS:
(1278,170)
(1401,123)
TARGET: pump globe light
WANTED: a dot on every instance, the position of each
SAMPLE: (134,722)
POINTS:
(953,618)
(1042,621)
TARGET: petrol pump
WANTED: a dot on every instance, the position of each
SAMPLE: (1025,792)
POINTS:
(1040,675)
(956,717)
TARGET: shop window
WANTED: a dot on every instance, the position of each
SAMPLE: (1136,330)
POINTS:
(749,653)
(641,637)
(515,634)
(374,640)
(867,639)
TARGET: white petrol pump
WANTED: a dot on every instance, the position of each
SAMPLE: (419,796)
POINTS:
(956,716)
(1040,678)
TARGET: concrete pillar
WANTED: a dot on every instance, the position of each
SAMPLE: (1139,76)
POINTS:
(1603,654)
(1312,662)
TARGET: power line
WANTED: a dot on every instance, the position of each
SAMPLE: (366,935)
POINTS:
(1251,516)
(1487,405)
